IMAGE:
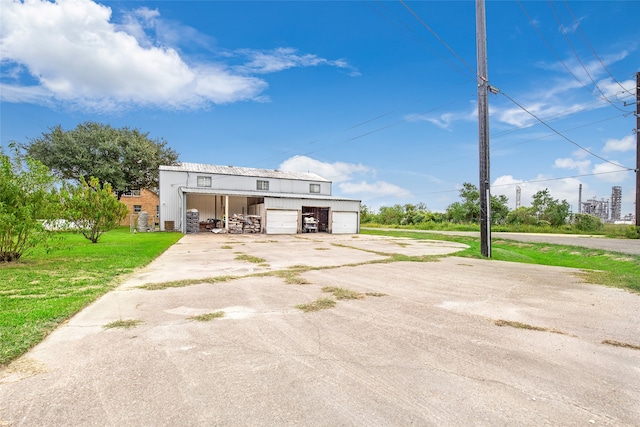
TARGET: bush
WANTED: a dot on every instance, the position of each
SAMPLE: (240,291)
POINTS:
(586,222)
(93,209)
(27,196)
(633,232)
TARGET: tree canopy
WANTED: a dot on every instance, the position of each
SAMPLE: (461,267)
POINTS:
(123,157)
(468,210)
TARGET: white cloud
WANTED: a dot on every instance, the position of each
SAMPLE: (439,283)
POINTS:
(78,57)
(378,188)
(342,174)
(443,121)
(618,91)
(561,189)
(336,171)
(610,172)
(547,110)
(561,97)
(627,143)
(568,163)
(283,58)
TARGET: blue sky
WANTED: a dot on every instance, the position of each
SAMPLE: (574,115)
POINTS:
(379,97)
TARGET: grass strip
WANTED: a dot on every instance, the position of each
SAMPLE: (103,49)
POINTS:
(621,344)
(207,316)
(317,305)
(376,294)
(519,325)
(186,282)
(251,258)
(44,289)
(341,293)
(599,266)
(123,324)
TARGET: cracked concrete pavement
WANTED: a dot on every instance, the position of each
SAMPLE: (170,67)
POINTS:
(428,352)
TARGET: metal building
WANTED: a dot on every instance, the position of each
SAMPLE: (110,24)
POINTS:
(196,197)
(599,208)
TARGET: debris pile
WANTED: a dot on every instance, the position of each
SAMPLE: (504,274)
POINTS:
(239,223)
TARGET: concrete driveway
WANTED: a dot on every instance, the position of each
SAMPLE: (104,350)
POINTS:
(424,347)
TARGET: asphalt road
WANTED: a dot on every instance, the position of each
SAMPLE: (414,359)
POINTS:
(428,343)
(627,246)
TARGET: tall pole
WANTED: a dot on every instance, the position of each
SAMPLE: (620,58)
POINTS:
(483,130)
(638,149)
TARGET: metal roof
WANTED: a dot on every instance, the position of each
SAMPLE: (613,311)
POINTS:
(239,171)
(264,194)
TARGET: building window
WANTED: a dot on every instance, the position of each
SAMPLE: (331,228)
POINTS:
(314,188)
(133,192)
(263,185)
(204,181)
(137,208)
(158,210)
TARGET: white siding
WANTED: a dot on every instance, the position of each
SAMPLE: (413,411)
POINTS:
(298,203)
(344,223)
(282,221)
(171,198)
(248,183)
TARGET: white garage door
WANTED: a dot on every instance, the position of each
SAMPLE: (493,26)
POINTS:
(282,222)
(345,223)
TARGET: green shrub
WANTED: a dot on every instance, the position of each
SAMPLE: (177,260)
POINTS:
(586,222)
(633,232)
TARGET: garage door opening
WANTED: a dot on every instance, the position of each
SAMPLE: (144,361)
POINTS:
(319,217)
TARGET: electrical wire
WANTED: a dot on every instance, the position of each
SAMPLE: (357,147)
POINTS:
(560,134)
(449,48)
(584,36)
(575,53)
(566,67)
(402,26)
(512,184)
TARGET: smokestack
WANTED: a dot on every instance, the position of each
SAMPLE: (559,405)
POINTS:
(580,199)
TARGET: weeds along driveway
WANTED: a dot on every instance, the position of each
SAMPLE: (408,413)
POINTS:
(439,342)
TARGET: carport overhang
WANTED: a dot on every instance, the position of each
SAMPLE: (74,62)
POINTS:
(318,198)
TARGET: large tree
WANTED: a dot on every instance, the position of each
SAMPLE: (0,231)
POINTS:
(546,208)
(125,158)
(468,210)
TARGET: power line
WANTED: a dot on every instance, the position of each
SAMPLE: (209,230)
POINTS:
(566,67)
(560,134)
(579,27)
(566,36)
(512,184)
(420,40)
(449,48)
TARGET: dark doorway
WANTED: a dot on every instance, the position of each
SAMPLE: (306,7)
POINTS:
(320,214)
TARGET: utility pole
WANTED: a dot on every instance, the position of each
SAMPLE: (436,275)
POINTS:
(483,130)
(638,149)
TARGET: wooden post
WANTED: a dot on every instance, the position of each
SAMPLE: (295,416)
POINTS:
(483,130)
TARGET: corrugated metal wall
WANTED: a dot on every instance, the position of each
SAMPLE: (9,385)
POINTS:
(171,200)
(247,183)
(297,204)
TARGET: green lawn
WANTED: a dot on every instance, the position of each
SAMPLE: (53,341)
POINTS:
(600,267)
(45,289)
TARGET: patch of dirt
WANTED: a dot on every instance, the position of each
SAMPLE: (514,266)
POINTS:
(22,368)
